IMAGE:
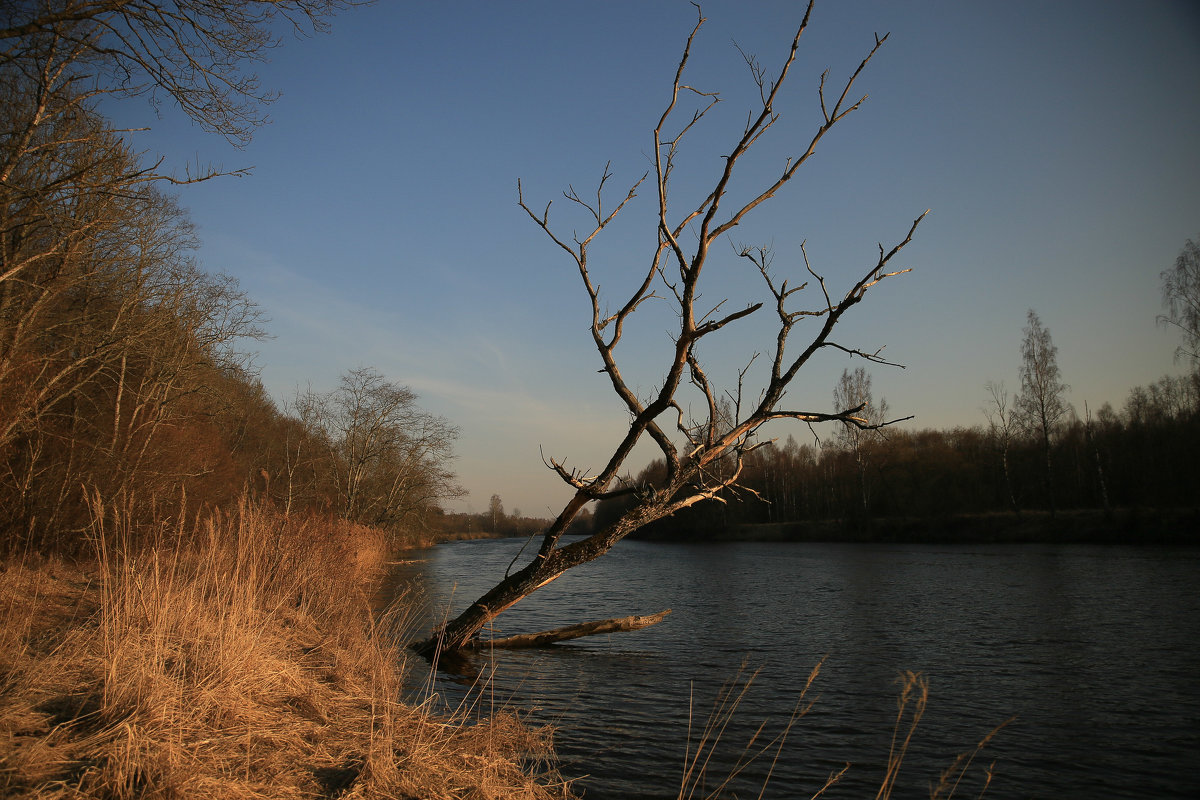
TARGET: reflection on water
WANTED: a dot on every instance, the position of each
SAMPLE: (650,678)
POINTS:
(1092,649)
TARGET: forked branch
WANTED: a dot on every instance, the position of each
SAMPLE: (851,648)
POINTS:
(716,444)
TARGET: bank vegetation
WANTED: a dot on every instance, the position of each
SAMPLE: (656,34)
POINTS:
(186,567)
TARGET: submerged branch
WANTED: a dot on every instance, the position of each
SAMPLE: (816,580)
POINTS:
(620,624)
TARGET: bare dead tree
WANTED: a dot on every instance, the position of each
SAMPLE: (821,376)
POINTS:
(709,455)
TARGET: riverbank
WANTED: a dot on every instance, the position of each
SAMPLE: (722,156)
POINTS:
(1126,526)
(243,663)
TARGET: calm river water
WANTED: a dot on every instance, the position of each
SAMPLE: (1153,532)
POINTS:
(1094,650)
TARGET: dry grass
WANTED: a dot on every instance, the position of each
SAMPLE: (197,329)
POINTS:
(911,702)
(699,757)
(242,663)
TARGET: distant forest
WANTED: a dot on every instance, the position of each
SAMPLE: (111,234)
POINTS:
(1143,456)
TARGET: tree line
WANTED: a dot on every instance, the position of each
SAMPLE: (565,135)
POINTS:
(123,368)
(1033,451)
(494,523)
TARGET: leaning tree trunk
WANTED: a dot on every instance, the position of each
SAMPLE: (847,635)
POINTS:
(715,441)
(462,632)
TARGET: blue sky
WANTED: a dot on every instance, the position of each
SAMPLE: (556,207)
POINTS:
(1055,143)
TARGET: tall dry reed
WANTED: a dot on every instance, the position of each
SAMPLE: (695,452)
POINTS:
(911,702)
(235,657)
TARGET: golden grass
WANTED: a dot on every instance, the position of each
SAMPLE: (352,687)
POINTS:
(241,662)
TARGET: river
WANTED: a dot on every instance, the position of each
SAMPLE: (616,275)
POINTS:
(1093,651)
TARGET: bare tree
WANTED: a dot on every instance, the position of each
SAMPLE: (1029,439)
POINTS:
(105,346)
(192,51)
(1181,299)
(1002,427)
(58,58)
(496,511)
(1042,403)
(297,469)
(853,390)
(1093,445)
(108,330)
(707,455)
(387,457)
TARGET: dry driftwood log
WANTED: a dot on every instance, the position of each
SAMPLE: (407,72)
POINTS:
(630,623)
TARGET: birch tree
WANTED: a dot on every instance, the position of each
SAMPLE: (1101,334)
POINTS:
(1042,403)
(853,391)
(1181,300)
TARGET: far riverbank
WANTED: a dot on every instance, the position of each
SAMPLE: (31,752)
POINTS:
(1125,526)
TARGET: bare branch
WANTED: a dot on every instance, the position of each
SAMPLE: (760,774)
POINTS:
(872,357)
(719,441)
